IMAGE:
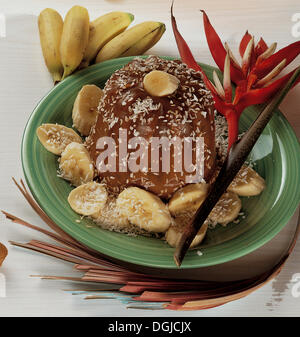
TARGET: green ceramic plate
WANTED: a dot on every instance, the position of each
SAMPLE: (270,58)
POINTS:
(276,157)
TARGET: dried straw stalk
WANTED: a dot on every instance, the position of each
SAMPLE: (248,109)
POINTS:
(141,288)
(3,253)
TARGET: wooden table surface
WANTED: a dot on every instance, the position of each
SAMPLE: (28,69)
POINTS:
(24,80)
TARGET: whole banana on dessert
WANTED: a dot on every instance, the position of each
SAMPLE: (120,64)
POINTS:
(74,39)
(134,41)
(50,29)
(102,30)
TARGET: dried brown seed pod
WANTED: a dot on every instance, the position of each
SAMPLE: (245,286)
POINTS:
(3,253)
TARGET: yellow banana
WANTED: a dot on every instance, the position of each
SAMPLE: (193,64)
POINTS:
(134,41)
(75,36)
(50,28)
(141,46)
(102,30)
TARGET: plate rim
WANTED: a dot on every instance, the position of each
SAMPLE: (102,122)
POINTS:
(233,255)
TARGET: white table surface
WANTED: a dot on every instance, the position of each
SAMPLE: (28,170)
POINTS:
(24,80)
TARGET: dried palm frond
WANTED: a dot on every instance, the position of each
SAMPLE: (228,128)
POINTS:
(3,253)
(137,290)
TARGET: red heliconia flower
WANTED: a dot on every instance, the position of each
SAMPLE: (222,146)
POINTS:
(254,77)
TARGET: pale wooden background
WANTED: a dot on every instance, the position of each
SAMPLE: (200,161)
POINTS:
(23,82)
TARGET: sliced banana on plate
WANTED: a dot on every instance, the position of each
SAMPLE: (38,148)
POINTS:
(76,165)
(183,206)
(55,137)
(173,235)
(227,209)
(110,216)
(188,198)
(144,209)
(88,199)
(247,183)
(85,108)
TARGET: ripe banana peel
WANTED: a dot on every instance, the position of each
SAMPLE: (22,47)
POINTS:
(102,30)
(50,25)
(134,41)
(75,36)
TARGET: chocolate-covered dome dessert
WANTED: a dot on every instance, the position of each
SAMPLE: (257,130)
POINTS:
(128,108)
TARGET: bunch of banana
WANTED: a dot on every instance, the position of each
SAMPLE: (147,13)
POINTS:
(76,164)
(144,209)
(50,28)
(76,42)
(134,41)
(88,199)
(84,112)
(102,30)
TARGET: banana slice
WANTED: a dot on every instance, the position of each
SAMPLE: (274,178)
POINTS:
(88,199)
(85,108)
(173,235)
(247,183)
(110,216)
(76,165)
(144,209)
(55,137)
(160,83)
(227,209)
(188,198)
